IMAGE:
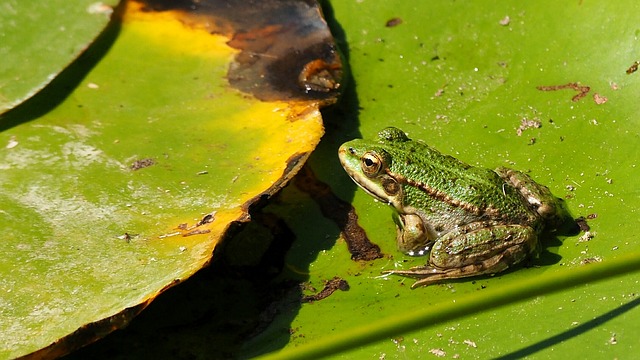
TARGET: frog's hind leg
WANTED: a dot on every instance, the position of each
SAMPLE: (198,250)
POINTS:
(465,252)
(429,275)
(539,197)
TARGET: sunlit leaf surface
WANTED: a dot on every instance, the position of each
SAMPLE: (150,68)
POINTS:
(119,179)
(38,39)
(461,76)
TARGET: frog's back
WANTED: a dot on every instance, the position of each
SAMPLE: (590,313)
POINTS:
(450,182)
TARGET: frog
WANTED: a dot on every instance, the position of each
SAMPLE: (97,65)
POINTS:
(468,220)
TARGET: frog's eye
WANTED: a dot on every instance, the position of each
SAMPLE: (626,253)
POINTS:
(371,164)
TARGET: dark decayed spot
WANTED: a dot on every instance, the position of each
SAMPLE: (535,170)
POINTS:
(329,288)
(582,224)
(142,163)
(581,89)
(341,212)
(287,51)
(393,22)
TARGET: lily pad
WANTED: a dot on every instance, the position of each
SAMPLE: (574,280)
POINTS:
(461,76)
(493,87)
(38,39)
(120,178)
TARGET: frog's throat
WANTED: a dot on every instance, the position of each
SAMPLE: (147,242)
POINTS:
(372,188)
(367,185)
(376,196)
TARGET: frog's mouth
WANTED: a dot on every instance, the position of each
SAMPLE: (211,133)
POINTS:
(371,187)
(366,187)
(350,162)
(365,183)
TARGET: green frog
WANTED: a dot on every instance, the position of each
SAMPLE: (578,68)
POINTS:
(469,220)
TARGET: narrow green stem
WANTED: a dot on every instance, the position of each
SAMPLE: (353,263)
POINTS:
(481,301)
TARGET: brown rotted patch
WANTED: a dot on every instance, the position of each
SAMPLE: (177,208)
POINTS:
(142,163)
(330,287)
(633,68)
(287,51)
(582,224)
(393,22)
(341,212)
(582,90)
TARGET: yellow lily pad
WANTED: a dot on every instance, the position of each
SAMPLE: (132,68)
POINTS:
(121,186)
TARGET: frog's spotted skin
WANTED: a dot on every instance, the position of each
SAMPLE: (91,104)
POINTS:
(469,220)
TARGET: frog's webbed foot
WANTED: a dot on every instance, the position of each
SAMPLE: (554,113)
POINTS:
(428,275)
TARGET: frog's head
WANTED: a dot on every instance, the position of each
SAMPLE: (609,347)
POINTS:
(367,163)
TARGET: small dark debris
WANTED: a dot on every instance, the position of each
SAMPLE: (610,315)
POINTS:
(209,218)
(590,260)
(183,226)
(204,172)
(206,219)
(329,288)
(592,216)
(527,124)
(393,22)
(599,99)
(633,68)
(582,224)
(141,164)
(127,237)
(505,21)
(197,232)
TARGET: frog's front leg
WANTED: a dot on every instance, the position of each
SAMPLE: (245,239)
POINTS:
(475,249)
(412,237)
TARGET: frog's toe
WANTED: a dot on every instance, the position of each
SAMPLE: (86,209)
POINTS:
(428,275)
(434,279)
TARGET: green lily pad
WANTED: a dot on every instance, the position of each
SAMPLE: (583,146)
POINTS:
(461,76)
(40,38)
(494,87)
(120,178)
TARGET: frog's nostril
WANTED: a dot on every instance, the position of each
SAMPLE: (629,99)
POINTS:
(352,151)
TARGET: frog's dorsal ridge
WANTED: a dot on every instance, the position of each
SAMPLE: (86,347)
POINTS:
(393,134)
